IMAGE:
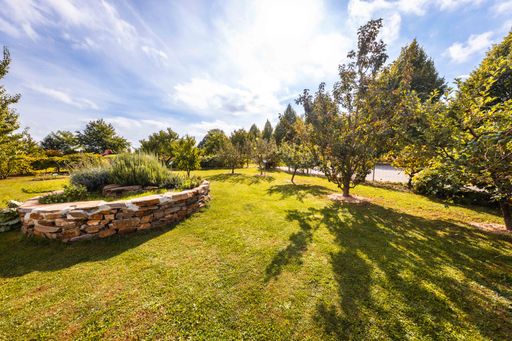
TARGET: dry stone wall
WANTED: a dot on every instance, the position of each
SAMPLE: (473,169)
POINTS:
(74,221)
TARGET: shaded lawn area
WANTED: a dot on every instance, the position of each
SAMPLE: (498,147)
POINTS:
(270,260)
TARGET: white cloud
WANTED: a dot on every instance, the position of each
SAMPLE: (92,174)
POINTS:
(64,97)
(208,98)
(453,4)
(360,11)
(503,8)
(476,43)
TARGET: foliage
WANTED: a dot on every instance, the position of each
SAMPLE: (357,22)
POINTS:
(63,141)
(297,153)
(10,140)
(284,131)
(268,131)
(414,70)
(231,155)
(138,169)
(439,182)
(481,113)
(420,133)
(243,144)
(93,175)
(70,193)
(160,144)
(212,142)
(254,132)
(99,136)
(187,155)
(266,155)
(188,183)
(348,141)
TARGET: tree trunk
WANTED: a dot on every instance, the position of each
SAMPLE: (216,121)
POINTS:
(293,175)
(409,182)
(346,187)
(188,173)
(506,210)
(233,170)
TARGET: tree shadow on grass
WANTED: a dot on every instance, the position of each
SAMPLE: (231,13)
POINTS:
(20,255)
(238,178)
(400,275)
(300,191)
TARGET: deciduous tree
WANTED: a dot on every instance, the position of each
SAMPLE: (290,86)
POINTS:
(482,113)
(160,144)
(345,127)
(187,155)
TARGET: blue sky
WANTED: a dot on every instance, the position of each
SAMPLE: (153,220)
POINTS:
(197,65)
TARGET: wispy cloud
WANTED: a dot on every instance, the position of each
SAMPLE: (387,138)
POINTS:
(476,43)
(503,8)
(65,97)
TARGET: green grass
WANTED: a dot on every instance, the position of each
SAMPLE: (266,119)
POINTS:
(22,188)
(270,260)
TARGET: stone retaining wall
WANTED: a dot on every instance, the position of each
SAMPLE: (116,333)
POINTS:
(73,221)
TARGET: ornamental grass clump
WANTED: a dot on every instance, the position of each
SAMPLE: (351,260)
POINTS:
(92,174)
(141,169)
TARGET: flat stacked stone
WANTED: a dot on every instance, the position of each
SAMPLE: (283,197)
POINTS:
(74,221)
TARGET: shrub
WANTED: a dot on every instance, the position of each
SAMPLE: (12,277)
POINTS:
(91,173)
(173,180)
(70,193)
(190,182)
(139,169)
(438,182)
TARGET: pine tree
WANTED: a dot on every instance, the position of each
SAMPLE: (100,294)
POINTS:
(268,131)
(10,140)
(284,129)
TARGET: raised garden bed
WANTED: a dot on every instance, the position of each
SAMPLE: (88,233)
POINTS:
(83,220)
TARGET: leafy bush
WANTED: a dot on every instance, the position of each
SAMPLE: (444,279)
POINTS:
(91,173)
(438,182)
(70,193)
(191,182)
(173,180)
(139,169)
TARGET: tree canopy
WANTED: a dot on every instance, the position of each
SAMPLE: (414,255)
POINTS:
(160,144)
(99,136)
(63,141)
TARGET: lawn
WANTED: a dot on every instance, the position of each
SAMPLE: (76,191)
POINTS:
(22,188)
(269,260)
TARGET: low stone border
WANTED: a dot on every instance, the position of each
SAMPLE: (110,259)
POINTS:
(74,221)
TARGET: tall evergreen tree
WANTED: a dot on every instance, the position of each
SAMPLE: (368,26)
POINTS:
(284,129)
(254,132)
(415,70)
(10,140)
(268,131)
